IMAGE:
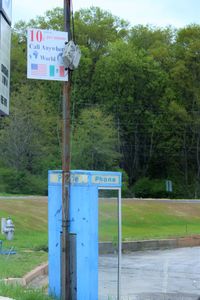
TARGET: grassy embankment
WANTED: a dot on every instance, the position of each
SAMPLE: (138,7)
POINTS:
(149,220)
(141,220)
(30,219)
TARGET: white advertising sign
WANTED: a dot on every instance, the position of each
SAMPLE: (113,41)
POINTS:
(5,44)
(44,54)
(6,8)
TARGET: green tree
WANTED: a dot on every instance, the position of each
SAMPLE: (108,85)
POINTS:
(94,144)
(146,77)
(132,85)
(96,28)
(186,75)
(29,133)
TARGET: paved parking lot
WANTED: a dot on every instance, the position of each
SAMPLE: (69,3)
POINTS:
(148,275)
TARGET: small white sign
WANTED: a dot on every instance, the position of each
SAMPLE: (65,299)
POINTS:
(105,179)
(5,44)
(44,54)
(74,178)
(55,178)
(79,179)
(6,8)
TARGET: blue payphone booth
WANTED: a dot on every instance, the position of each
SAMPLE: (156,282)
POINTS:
(84,186)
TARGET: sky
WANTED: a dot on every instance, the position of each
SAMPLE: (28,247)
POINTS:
(177,13)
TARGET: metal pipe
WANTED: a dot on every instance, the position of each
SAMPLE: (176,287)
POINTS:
(119,243)
(73,266)
(65,247)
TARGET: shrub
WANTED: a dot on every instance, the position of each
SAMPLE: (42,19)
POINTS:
(150,188)
(15,182)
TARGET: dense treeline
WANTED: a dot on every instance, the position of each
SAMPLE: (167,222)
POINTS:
(135,107)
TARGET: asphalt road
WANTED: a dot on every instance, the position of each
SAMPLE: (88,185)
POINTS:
(164,275)
(197,201)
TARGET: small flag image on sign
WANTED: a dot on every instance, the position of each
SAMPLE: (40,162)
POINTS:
(39,69)
(62,71)
(52,70)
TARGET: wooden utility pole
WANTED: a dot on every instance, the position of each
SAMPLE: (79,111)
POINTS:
(65,240)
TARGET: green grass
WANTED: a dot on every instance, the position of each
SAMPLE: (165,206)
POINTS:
(20,264)
(30,219)
(19,293)
(149,220)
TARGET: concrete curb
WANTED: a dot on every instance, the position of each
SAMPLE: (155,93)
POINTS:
(38,271)
(130,246)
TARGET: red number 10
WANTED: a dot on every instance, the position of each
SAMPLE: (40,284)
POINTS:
(38,36)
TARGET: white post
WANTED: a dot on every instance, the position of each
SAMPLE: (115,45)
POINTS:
(3,224)
(119,244)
